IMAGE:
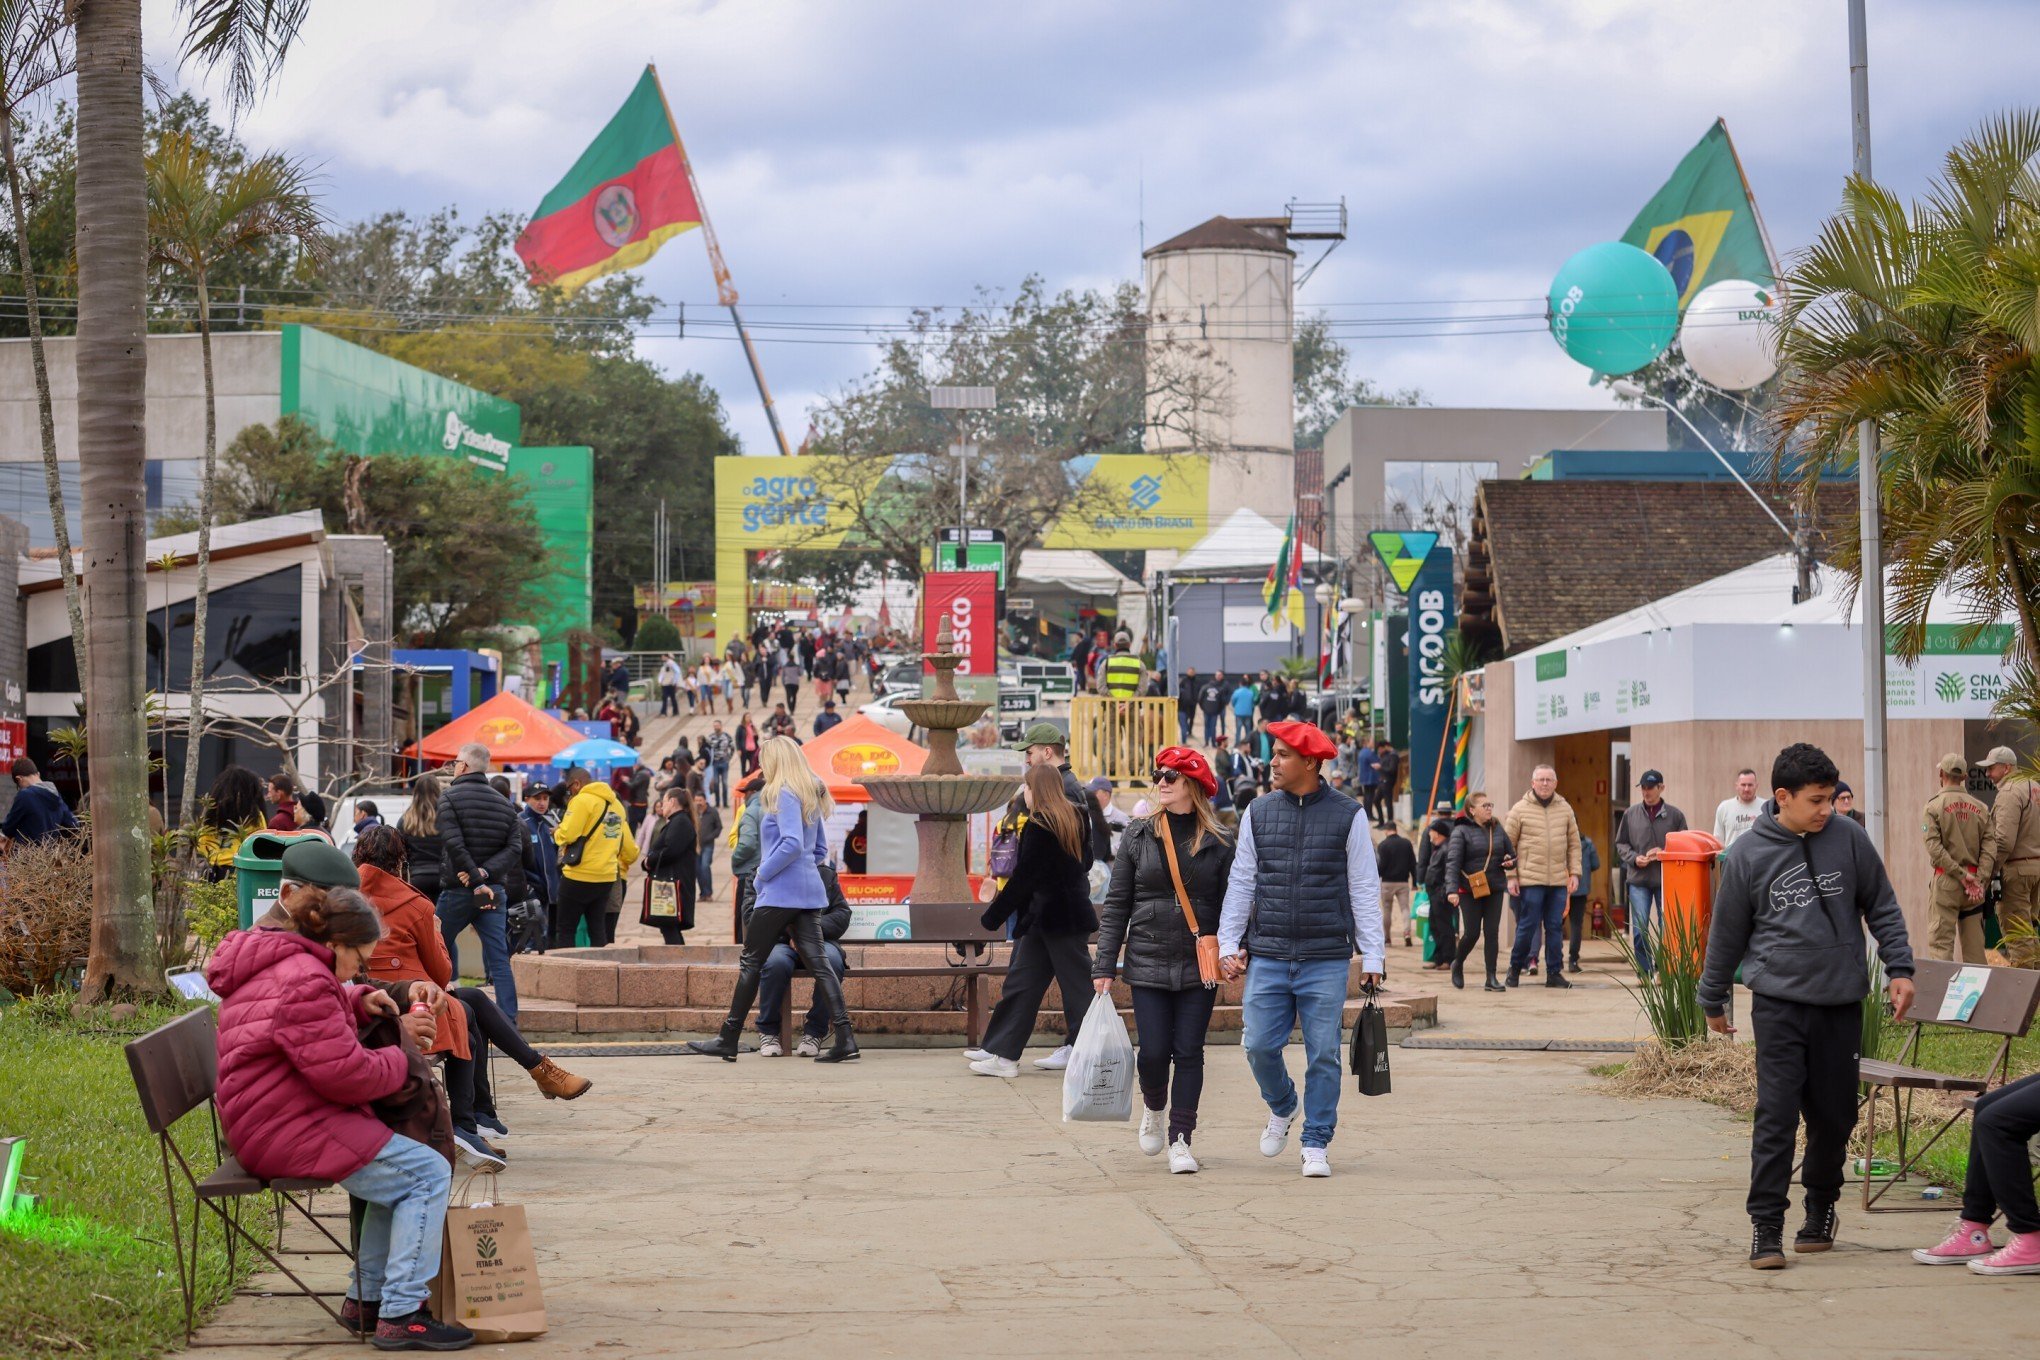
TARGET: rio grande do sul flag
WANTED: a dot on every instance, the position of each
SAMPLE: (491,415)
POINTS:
(628,195)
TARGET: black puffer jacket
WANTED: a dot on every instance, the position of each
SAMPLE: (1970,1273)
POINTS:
(1431,861)
(481,836)
(1142,915)
(1049,890)
(1474,848)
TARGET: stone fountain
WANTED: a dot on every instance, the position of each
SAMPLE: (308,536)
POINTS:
(942,796)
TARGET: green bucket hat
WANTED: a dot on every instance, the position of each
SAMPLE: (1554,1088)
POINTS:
(319,863)
(1041,734)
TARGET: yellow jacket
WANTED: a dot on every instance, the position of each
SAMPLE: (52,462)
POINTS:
(611,849)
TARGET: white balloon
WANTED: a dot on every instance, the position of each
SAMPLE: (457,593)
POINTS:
(1730,335)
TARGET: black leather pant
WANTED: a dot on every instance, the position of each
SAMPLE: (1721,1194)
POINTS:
(768,926)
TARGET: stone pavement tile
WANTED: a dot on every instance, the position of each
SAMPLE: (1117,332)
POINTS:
(1496,1204)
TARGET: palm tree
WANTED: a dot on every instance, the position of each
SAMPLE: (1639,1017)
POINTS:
(1926,320)
(249,39)
(36,52)
(201,213)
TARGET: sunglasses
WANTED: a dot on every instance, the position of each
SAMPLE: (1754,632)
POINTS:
(1167,776)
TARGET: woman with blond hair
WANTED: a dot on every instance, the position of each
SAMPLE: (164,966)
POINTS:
(1048,895)
(1168,885)
(790,896)
(420,826)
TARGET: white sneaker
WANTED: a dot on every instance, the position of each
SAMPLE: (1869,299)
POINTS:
(992,1065)
(1181,1163)
(1276,1136)
(770,1047)
(810,1045)
(1056,1061)
(1152,1125)
(976,1054)
(1314,1163)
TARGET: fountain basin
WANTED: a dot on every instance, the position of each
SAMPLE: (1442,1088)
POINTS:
(941,714)
(940,795)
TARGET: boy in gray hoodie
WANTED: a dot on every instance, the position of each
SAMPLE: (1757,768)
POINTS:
(1795,893)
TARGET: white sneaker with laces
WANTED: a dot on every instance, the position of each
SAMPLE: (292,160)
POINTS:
(1152,1125)
(1056,1061)
(992,1065)
(1276,1136)
(976,1054)
(770,1047)
(1314,1162)
(809,1045)
(1181,1163)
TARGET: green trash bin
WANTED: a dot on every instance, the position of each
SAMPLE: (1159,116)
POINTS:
(258,869)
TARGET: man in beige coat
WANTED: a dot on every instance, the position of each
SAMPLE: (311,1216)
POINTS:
(2016,817)
(1546,835)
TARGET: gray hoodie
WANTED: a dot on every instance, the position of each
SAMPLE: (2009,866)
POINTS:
(1790,911)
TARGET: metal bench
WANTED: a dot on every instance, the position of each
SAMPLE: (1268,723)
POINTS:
(2005,1008)
(956,927)
(176,1070)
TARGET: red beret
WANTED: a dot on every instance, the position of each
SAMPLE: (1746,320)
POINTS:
(1190,765)
(1304,739)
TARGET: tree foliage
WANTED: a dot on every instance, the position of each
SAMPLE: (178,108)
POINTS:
(1326,386)
(466,555)
(1926,320)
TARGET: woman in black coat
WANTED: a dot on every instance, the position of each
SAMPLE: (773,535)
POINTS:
(1048,895)
(670,859)
(1478,845)
(1444,923)
(1144,917)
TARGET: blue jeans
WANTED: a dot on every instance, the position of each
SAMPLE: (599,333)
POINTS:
(1540,911)
(777,980)
(1280,996)
(1213,723)
(1183,726)
(719,782)
(1243,727)
(405,1189)
(458,910)
(1642,898)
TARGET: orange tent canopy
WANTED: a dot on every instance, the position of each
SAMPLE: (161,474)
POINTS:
(514,731)
(856,746)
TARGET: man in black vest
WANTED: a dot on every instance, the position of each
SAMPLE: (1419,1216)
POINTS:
(1303,899)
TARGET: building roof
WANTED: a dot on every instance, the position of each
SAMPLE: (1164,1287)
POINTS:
(1547,559)
(1076,570)
(40,570)
(1246,542)
(1220,233)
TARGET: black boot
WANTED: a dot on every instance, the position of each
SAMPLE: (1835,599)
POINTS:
(1492,985)
(845,1047)
(724,1045)
(1557,979)
(1819,1232)
(1515,975)
(1459,974)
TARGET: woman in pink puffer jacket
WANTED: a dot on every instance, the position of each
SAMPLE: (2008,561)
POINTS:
(293,1094)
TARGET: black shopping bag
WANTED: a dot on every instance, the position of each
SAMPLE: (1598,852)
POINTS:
(1370,1049)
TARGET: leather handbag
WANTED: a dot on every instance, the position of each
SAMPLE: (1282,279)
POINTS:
(1477,882)
(1207,945)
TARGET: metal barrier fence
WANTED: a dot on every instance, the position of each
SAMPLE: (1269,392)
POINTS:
(1118,738)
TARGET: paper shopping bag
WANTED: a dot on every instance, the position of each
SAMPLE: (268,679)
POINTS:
(488,1274)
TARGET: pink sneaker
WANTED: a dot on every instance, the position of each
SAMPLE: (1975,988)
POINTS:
(2020,1256)
(1966,1241)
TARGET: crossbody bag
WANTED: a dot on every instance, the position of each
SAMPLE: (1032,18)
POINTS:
(1477,882)
(1207,945)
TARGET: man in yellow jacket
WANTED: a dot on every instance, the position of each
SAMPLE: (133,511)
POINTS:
(1546,835)
(596,851)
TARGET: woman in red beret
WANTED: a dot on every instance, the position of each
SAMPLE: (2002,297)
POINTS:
(1149,919)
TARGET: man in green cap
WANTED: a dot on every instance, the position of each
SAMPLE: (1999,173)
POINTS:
(1043,743)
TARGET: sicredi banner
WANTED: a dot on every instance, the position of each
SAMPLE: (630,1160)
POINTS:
(968,601)
(1720,672)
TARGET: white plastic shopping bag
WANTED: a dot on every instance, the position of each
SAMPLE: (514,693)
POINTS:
(1098,1083)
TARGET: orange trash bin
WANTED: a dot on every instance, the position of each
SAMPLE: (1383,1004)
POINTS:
(1688,859)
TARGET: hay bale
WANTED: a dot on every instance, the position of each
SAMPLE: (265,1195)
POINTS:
(1719,1073)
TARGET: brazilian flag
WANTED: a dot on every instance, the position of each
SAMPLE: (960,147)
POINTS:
(1703,225)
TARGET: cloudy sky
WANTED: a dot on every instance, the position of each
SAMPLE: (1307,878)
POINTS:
(864,156)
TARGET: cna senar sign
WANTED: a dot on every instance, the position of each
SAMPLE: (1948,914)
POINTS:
(967,599)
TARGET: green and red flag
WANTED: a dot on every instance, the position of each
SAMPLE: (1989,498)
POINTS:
(1283,590)
(629,194)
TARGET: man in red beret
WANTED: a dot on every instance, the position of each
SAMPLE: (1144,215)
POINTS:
(1304,897)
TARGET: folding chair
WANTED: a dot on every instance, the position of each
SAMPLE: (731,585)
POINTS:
(176,1070)
(2004,1008)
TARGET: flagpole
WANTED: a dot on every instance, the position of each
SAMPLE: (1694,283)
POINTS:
(725,288)
(1750,197)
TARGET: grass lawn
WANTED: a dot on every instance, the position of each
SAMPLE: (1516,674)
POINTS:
(91,1271)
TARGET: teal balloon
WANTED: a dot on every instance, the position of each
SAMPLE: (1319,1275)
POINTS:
(1613,307)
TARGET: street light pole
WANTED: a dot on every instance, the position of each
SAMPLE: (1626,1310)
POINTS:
(1868,485)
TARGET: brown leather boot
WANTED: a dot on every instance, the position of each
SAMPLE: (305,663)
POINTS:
(557,1082)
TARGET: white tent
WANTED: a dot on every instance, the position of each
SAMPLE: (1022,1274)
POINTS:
(1071,569)
(1246,542)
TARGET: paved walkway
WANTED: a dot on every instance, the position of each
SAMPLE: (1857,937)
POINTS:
(1496,1204)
